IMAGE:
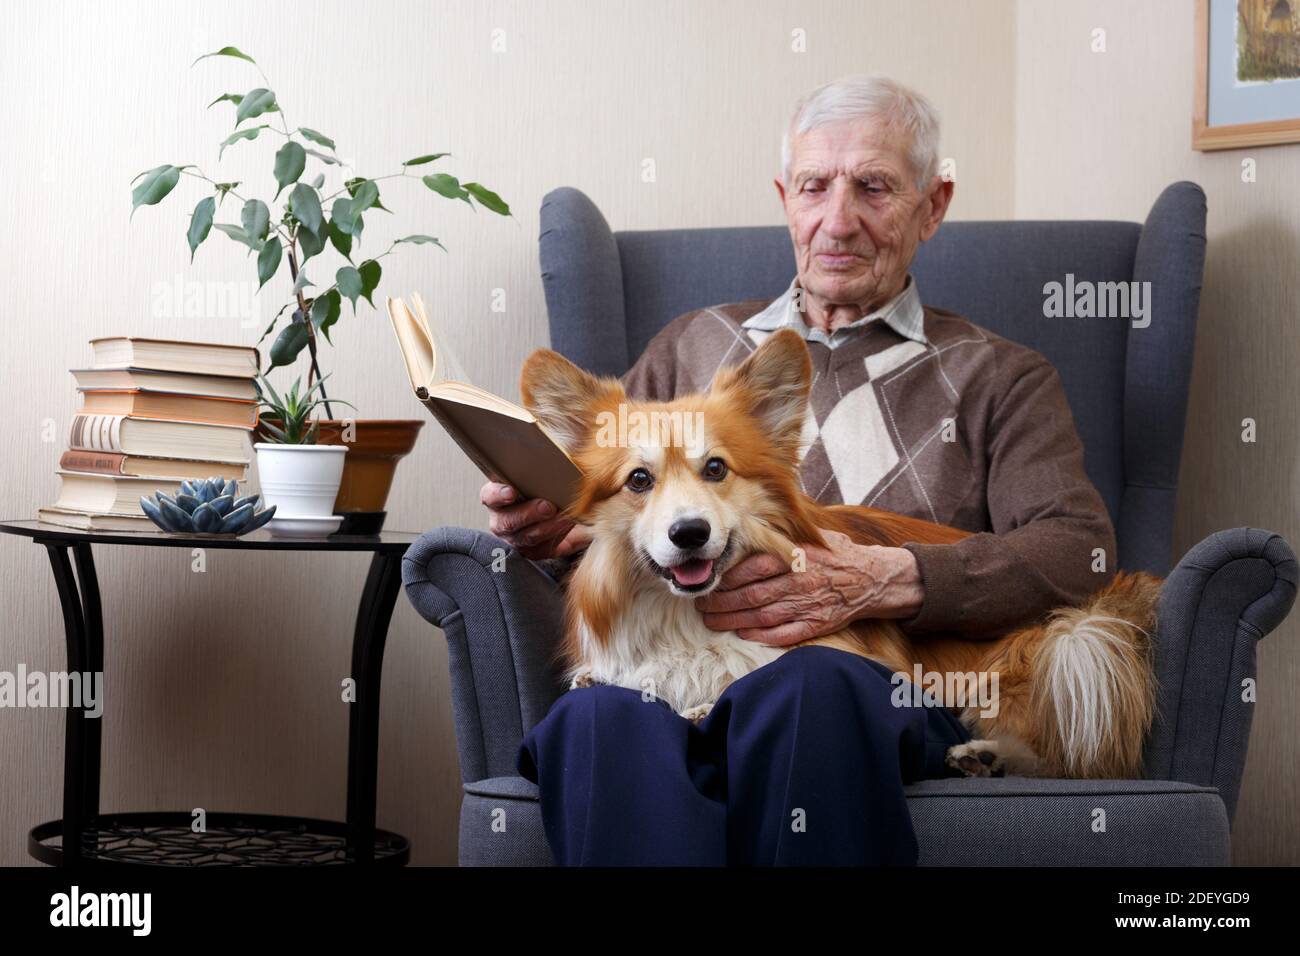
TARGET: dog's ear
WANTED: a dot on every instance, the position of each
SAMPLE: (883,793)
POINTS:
(564,398)
(773,384)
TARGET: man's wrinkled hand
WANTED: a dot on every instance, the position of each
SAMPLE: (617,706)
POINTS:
(763,600)
(531,526)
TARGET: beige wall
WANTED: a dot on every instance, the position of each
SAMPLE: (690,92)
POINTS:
(224,686)
(1098,135)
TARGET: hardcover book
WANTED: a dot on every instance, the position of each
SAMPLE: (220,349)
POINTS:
(116,463)
(503,439)
(172,355)
(109,494)
(93,520)
(160,439)
(180,383)
(169,406)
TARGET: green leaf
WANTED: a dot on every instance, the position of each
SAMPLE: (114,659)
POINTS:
(370,272)
(268,260)
(318,182)
(419,240)
(488,199)
(274,432)
(157,183)
(446,185)
(315,137)
(364,195)
(223,188)
(228,51)
(239,235)
(255,103)
(305,205)
(325,312)
(227,97)
(322,157)
(138,176)
(276,403)
(250,133)
(310,243)
(291,340)
(200,223)
(349,282)
(289,163)
(269,328)
(343,216)
(256,218)
(354,184)
(301,282)
(421,160)
(341,240)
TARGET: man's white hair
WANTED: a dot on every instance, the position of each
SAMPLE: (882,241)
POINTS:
(871,96)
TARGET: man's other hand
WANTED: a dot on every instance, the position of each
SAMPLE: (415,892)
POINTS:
(762,600)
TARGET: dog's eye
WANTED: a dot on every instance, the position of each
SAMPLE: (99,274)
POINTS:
(715,469)
(639,480)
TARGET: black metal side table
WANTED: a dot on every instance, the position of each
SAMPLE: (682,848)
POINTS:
(86,837)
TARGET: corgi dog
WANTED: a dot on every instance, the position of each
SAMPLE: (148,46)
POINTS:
(671,508)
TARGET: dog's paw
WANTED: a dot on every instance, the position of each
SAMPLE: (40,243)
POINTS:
(696,714)
(583,679)
(979,758)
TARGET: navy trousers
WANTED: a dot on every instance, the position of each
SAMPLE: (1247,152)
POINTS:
(801,762)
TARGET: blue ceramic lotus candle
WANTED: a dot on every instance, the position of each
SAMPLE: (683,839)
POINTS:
(206,506)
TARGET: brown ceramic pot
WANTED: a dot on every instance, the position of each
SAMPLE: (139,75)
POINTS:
(368,468)
(376,446)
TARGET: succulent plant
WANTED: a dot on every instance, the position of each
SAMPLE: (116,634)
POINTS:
(295,426)
(206,506)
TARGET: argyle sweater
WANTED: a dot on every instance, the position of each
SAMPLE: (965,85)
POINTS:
(966,429)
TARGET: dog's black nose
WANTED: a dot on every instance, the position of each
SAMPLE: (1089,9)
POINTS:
(689,532)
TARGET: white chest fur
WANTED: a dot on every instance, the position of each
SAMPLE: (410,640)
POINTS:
(661,648)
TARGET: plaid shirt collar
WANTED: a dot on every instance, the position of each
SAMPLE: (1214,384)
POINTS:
(902,313)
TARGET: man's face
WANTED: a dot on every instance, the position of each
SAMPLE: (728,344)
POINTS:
(855,214)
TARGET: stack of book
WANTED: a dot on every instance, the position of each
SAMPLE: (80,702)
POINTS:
(154,412)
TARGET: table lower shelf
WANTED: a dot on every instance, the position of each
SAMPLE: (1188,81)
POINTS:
(152,839)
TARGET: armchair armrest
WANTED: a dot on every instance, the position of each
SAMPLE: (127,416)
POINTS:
(1225,595)
(502,616)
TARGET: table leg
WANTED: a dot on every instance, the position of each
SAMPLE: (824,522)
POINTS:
(373,616)
(84,630)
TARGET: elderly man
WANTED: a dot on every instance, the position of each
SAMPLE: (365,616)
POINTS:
(913,410)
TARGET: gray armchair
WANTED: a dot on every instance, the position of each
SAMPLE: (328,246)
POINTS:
(608,294)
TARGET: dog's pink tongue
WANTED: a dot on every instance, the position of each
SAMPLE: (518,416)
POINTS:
(691,573)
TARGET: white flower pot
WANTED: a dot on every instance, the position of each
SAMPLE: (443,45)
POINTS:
(302,481)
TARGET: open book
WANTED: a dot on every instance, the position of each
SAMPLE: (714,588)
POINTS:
(504,440)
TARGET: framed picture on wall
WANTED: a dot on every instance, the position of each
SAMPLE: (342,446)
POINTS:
(1247,73)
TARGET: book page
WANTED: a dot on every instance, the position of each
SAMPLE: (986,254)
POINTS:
(446,367)
(416,349)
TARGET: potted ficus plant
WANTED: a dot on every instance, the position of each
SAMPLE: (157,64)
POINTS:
(299,476)
(314,220)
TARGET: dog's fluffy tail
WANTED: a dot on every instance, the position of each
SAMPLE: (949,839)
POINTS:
(1094,685)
